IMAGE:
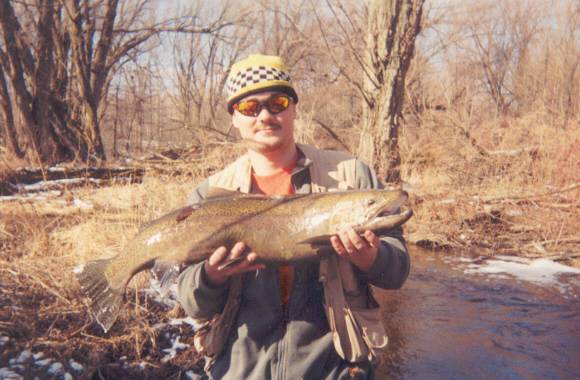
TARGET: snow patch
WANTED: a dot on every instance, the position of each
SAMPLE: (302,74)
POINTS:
(193,376)
(56,369)
(176,345)
(538,271)
(75,366)
(7,374)
(82,204)
(187,321)
(24,357)
(43,362)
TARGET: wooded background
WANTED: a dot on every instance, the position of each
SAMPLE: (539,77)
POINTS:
(90,80)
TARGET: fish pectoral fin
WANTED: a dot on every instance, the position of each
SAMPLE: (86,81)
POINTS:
(231,262)
(166,273)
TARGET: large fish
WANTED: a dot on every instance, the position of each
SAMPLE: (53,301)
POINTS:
(279,229)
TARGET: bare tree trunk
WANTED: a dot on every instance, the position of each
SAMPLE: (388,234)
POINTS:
(392,28)
(20,63)
(9,127)
(47,143)
(90,66)
(57,60)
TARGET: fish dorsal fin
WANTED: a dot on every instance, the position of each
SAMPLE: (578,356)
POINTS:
(219,192)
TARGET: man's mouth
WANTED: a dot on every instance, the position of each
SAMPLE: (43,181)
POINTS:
(268,128)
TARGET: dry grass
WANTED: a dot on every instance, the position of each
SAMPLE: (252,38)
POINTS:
(41,306)
(508,185)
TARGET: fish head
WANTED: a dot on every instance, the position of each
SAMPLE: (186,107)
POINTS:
(368,209)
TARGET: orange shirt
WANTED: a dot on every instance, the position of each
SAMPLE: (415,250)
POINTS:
(279,183)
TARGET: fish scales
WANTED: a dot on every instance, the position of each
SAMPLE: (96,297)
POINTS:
(278,229)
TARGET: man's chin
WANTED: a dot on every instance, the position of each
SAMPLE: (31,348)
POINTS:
(263,146)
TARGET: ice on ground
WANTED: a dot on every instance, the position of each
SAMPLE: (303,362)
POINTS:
(193,376)
(36,197)
(8,374)
(176,345)
(24,357)
(21,366)
(56,369)
(42,185)
(75,366)
(539,271)
(187,320)
(43,362)
(4,340)
(82,204)
(38,355)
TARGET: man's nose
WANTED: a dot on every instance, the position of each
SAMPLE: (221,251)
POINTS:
(265,116)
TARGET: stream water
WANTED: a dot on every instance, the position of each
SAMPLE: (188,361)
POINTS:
(466,317)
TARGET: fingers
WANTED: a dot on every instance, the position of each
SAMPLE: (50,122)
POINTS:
(372,239)
(218,256)
(360,251)
(237,250)
(221,253)
(218,273)
(337,245)
(347,242)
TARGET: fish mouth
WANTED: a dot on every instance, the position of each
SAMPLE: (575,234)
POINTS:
(389,215)
(391,207)
(381,225)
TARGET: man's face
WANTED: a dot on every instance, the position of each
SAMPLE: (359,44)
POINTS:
(266,132)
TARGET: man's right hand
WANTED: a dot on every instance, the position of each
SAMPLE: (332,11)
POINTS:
(217,276)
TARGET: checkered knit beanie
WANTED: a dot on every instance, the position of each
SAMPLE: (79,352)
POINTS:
(258,73)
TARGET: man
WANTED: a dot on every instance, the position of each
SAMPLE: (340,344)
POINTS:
(274,324)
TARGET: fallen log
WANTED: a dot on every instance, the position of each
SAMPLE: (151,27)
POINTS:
(18,180)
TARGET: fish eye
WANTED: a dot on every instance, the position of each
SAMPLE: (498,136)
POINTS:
(371,202)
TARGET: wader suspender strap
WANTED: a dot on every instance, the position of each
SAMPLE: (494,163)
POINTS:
(220,330)
(346,335)
(357,330)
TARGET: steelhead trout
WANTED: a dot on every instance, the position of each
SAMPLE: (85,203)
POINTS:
(278,229)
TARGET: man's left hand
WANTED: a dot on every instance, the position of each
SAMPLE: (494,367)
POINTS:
(360,251)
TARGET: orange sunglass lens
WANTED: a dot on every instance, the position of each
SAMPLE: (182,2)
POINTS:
(248,107)
(278,104)
(253,107)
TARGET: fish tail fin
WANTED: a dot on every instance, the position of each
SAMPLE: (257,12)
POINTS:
(105,300)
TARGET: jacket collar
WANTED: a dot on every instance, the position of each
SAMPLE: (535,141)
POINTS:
(243,173)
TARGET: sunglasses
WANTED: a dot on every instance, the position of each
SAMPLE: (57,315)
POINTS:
(253,107)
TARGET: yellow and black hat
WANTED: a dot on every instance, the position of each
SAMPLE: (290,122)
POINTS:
(258,73)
